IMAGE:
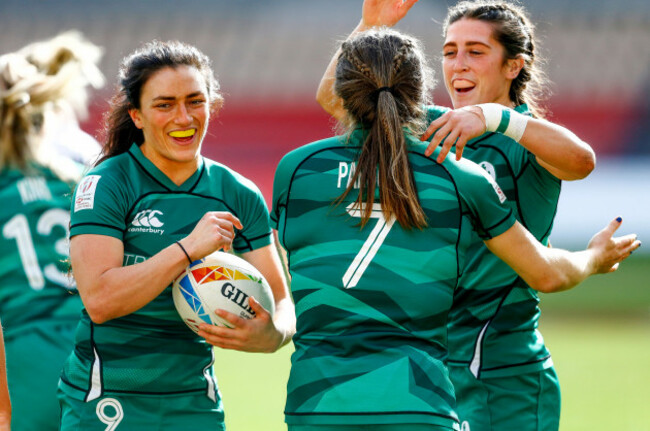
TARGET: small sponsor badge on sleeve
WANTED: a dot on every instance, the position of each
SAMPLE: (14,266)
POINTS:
(85,197)
(495,186)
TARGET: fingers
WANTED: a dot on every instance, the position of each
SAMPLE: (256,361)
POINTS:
(460,146)
(613,226)
(623,242)
(216,230)
(409,3)
(226,216)
(450,139)
(260,312)
(231,319)
(439,137)
(627,246)
(432,128)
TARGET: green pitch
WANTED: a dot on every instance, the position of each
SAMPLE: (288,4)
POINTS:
(599,335)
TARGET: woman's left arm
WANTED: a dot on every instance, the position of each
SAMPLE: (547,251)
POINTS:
(556,148)
(262,333)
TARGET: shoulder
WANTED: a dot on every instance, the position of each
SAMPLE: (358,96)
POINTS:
(472,179)
(292,160)
(435,111)
(218,173)
(111,179)
(117,167)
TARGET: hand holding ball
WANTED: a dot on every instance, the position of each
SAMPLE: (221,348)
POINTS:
(219,281)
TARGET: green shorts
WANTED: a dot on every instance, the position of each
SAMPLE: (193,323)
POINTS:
(139,412)
(385,427)
(525,402)
(35,357)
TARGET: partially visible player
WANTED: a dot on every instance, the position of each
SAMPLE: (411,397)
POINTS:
(377,236)
(502,372)
(43,90)
(151,205)
(5,401)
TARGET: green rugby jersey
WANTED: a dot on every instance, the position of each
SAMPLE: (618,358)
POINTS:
(34,219)
(372,303)
(151,351)
(493,322)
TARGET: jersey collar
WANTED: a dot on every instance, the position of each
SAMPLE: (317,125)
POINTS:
(158,175)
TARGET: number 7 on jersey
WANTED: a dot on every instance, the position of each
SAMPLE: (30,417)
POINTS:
(370,247)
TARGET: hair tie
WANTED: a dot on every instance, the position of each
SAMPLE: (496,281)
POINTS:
(380,89)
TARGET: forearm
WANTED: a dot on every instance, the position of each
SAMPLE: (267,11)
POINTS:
(558,150)
(285,319)
(125,289)
(543,269)
(566,269)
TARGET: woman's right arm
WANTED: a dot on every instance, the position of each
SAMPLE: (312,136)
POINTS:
(375,13)
(110,290)
(552,270)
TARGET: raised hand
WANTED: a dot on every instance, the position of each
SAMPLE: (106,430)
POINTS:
(456,126)
(609,251)
(377,13)
(258,334)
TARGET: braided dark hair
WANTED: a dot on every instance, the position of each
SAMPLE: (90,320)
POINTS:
(384,83)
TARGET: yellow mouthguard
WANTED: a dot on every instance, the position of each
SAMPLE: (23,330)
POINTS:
(182,133)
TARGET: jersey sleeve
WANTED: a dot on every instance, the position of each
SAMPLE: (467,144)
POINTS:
(280,192)
(99,206)
(254,216)
(434,112)
(485,201)
(282,183)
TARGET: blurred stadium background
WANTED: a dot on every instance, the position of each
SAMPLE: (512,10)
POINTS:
(269,57)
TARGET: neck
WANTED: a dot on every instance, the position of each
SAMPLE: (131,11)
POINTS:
(177,171)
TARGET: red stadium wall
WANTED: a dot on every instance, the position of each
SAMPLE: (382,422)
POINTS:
(251,138)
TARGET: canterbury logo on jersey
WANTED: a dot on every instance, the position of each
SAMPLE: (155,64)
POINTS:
(147,218)
(147,221)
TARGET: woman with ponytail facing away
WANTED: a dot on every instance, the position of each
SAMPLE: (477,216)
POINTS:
(377,235)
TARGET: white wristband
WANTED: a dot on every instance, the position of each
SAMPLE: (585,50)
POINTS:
(500,119)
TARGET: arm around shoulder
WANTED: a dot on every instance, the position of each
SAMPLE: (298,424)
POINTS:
(558,150)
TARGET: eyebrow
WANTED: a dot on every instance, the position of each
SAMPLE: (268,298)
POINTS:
(171,98)
(470,43)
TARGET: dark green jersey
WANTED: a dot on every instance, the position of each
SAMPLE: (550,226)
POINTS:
(493,323)
(372,303)
(34,218)
(151,351)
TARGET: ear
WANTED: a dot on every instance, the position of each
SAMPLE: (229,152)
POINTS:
(136,117)
(513,67)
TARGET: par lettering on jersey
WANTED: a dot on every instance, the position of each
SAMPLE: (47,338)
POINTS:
(85,198)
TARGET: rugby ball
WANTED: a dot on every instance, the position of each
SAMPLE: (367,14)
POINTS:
(219,281)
